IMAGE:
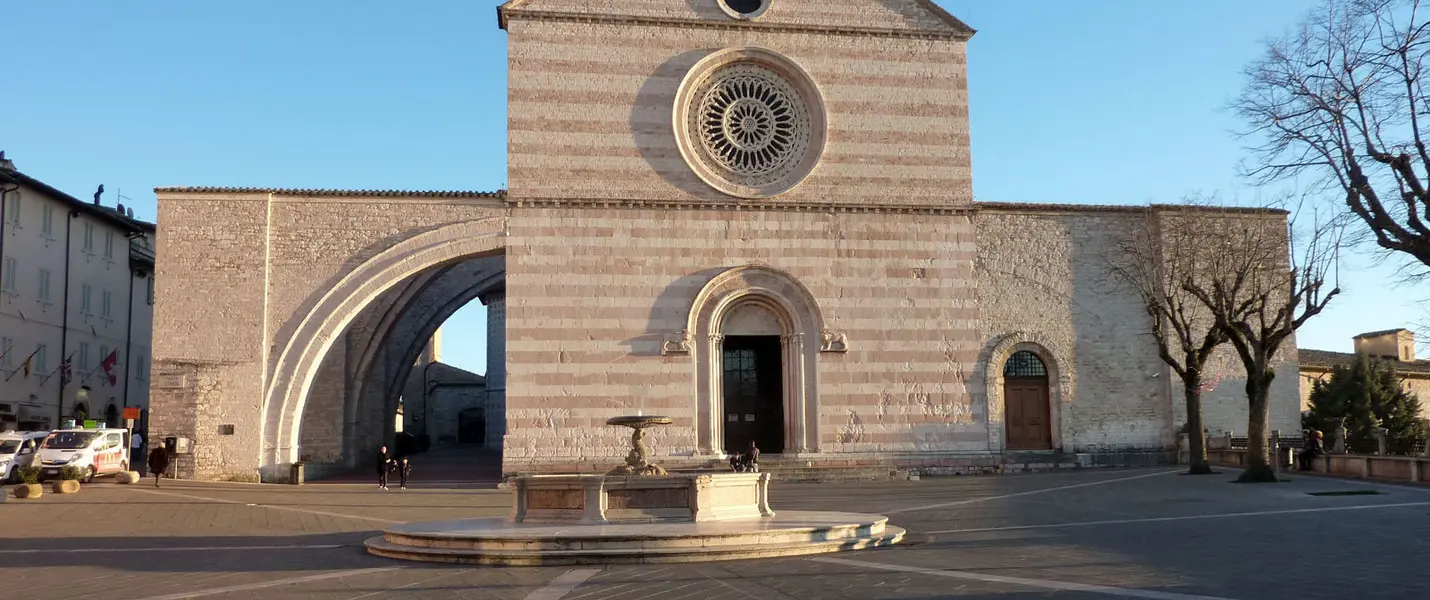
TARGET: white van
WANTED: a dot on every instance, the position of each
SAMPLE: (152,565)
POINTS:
(17,451)
(96,451)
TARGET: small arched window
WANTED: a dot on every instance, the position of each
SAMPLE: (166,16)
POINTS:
(1024,364)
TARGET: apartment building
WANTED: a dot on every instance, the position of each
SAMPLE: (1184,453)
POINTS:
(76,306)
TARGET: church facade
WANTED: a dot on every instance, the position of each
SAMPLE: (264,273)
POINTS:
(752,216)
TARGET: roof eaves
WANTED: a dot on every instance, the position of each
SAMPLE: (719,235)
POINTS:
(332,192)
(102,212)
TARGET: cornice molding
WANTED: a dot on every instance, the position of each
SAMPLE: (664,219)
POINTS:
(740,206)
(506,15)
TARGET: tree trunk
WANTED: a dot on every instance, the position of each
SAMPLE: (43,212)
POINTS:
(1196,432)
(1258,460)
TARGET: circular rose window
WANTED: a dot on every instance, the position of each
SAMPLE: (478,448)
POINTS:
(749,123)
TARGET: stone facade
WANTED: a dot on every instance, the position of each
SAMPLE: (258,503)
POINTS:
(618,275)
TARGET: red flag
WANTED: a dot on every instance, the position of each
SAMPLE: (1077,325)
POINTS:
(108,365)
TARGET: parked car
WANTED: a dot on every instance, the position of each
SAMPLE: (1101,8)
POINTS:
(18,450)
(94,451)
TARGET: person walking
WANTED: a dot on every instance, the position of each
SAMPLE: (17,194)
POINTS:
(384,464)
(158,463)
(404,468)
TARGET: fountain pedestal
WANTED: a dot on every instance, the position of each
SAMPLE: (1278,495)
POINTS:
(681,497)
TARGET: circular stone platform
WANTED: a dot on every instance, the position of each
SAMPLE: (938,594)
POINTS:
(498,541)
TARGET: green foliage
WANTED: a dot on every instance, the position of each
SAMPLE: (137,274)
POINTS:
(1368,395)
(29,475)
(73,473)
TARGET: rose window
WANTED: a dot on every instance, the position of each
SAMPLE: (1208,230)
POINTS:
(751,124)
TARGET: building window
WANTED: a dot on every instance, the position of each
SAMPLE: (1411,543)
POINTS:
(149,281)
(12,211)
(41,362)
(141,369)
(9,283)
(84,356)
(109,245)
(103,353)
(88,237)
(45,286)
(7,347)
(47,223)
(105,303)
(1024,364)
(85,308)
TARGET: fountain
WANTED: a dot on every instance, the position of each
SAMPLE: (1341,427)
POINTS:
(637,512)
(638,461)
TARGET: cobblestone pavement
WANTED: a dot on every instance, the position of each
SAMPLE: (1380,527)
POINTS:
(1079,535)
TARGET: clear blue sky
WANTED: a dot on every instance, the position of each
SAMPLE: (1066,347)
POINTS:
(1110,102)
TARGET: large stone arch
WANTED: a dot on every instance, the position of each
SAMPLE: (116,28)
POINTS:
(802,329)
(1060,383)
(326,320)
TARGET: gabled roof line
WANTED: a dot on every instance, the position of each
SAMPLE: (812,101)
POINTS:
(961,30)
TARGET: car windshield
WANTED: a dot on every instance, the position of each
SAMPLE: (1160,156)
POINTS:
(9,446)
(70,440)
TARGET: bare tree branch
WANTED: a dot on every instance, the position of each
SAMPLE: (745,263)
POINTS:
(1340,100)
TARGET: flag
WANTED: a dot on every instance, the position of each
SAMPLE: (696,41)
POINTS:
(27,366)
(108,365)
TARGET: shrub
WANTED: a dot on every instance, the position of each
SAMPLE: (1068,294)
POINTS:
(29,475)
(72,473)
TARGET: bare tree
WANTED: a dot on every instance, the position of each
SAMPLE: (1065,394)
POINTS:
(1267,278)
(1159,261)
(1340,100)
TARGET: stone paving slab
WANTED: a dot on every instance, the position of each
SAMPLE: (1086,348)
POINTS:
(1037,536)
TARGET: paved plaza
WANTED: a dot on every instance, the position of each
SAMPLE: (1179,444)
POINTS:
(1086,534)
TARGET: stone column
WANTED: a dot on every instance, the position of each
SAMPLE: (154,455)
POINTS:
(792,347)
(495,301)
(716,403)
(1382,441)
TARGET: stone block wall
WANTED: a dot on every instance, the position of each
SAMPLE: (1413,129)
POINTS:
(1040,272)
(590,110)
(591,294)
(209,342)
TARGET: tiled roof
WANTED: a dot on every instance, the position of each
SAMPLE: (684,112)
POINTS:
(326,192)
(1126,207)
(1380,333)
(1326,359)
(104,213)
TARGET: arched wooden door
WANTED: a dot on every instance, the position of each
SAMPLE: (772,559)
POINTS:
(1026,410)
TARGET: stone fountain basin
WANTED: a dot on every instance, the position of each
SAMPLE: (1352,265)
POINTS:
(678,497)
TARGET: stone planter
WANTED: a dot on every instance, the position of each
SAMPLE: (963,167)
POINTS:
(126,477)
(64,486)
(29,490)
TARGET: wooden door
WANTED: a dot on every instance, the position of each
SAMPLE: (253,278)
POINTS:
(1026,413)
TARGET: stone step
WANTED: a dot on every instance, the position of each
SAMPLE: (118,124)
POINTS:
(380,546)
(496,541)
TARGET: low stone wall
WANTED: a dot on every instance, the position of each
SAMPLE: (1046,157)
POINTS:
(1413,469)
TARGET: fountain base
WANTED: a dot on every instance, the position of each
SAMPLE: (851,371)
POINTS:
(600,499)
(497,541)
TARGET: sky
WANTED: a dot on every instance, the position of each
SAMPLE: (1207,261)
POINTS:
(1099,102)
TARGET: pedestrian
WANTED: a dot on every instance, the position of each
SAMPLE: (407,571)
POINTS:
(384,464)
(136,450)
(404,468)
(158,463)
